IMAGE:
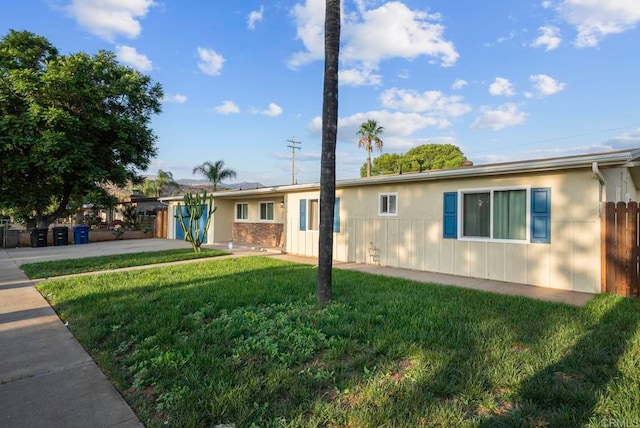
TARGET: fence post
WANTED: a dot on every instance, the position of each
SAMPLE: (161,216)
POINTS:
(610,247)
(621,249)
(632,247)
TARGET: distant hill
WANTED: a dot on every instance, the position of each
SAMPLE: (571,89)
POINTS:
(204,184)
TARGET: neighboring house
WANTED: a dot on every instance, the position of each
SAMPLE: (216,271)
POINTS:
(534,222)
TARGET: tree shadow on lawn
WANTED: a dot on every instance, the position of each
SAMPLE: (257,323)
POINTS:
(442,358)
(567,392)
(396,351)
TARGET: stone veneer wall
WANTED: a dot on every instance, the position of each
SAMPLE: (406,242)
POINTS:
(266,234)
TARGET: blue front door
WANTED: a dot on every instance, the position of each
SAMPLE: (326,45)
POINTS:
(201,223)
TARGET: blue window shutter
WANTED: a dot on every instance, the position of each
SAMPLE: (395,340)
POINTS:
(336,216)
(303,215)
(450,215)
(541,215)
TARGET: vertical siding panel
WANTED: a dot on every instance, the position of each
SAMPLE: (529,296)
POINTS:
(495,261)
(417,232)
(477,259)
(461,258)
(516,263)
(561,261)
(538,264)
(405,245)
(432,246)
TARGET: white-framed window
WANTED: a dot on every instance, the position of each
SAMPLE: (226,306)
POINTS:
(314,214)
(388,203)
(495,214)
(242,211)
(266,211)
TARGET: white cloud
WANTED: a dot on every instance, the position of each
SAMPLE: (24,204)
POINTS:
(502,39)
(359,77)
(110,18)
(210,61)
(130,55)
(459,84)
(371,36)
(549,39)
(300,155)
(255,16)
(500,117)
(309,20)
(177,98)
(546,85)
(596,19)
(227,107)
(433,102)
(393,30)
(501,87)
(396,124)
(273,110)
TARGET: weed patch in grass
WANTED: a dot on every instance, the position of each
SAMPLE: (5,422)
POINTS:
(242,341)
(92,264)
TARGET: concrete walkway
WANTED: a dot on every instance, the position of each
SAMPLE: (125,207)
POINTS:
(560,296)
(48,380)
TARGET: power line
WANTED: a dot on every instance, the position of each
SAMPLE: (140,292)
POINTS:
(555,139)
(294,145)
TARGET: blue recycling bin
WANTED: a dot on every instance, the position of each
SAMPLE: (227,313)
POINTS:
(81,234)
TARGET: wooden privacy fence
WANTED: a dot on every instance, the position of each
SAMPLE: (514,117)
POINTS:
(620,248)
(162,221)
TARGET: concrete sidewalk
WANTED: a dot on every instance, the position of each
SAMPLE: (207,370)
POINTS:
(46,378)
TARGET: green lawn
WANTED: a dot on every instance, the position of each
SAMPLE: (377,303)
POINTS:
(242,341)
(92,264)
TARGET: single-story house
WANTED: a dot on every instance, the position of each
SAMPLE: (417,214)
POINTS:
(533,222)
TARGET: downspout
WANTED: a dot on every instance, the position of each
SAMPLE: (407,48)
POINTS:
(598,173)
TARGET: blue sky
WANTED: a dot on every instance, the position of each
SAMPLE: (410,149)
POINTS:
(504,80)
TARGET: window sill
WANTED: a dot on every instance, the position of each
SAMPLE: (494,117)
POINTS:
(494,241)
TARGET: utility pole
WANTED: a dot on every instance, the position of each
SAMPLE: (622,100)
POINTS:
(294,145)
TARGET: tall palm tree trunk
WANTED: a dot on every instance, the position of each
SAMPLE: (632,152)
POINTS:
(369,161)
(328,162)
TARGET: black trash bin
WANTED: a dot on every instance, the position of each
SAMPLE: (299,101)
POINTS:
(81,234)
(38,236)
(60,235)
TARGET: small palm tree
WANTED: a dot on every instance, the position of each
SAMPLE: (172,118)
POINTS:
(165,179)
(370,133)
(214,172)
(154,187)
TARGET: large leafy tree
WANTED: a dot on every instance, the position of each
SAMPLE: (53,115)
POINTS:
(328,160)
(369,133)
(215,172)
(386,163)
(69,126)
(420,158)
(433,156)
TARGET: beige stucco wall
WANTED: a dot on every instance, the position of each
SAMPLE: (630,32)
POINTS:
(413,238)
(222,223)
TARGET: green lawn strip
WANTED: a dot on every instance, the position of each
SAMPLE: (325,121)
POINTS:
(242,341)
(116,261)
